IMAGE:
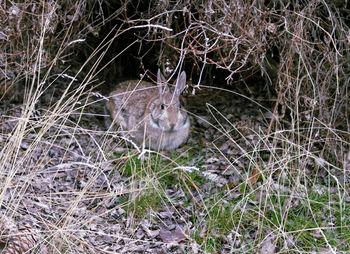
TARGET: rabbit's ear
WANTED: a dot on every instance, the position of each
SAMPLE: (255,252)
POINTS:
(180,83)
(160,78)
(161,81)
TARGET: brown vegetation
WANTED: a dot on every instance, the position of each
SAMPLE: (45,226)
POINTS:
(55,56)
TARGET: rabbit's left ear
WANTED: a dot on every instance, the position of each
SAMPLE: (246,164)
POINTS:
(180,83)
(160,78)
(161,81)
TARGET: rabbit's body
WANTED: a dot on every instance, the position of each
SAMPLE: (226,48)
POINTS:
(151,114)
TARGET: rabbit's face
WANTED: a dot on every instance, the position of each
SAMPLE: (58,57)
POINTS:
(167,114)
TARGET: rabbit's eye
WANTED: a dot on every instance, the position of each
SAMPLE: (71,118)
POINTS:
(180,106)
(162,106)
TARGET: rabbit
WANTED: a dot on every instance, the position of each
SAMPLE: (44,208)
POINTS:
(152,115)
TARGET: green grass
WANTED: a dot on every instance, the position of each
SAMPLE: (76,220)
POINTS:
(247,213)
(154,173)
(223,217)
(146,201)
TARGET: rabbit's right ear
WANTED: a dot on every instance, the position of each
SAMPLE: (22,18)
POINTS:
(161,81)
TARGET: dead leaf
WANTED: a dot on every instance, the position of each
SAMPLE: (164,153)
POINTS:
(254,177)
(268,246)
(170,237)
(150,233)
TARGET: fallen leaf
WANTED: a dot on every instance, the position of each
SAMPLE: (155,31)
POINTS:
(268,246)
(169,237)
(254,177)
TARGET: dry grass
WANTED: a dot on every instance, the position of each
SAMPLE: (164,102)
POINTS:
(71,187)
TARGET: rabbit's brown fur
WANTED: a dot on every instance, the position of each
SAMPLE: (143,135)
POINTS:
(151,114)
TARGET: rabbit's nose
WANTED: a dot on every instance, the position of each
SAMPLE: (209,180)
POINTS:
(172,125)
